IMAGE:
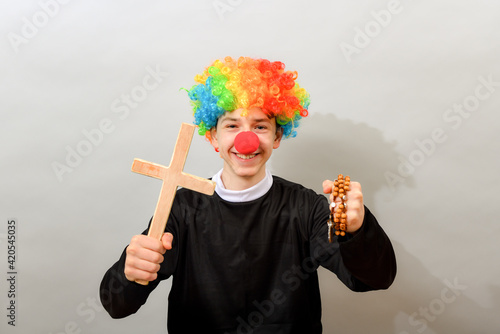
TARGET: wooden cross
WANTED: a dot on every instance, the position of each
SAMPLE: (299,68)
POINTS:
(172,177)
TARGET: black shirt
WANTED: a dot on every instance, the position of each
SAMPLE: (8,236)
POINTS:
(250,267)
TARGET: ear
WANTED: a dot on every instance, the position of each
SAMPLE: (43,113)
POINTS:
(212,137)
(277,138)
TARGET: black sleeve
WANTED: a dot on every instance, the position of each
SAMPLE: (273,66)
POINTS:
(363,262)
(369,255)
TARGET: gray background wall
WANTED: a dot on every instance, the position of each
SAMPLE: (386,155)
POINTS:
(405,99)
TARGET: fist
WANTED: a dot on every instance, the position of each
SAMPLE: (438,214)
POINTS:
(144,255)
(355,208)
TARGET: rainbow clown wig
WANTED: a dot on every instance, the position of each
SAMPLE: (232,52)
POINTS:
(227,85)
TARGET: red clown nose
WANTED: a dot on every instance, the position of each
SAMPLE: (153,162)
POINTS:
(246,142)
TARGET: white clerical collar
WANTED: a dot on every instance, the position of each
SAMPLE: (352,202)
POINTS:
(246,195)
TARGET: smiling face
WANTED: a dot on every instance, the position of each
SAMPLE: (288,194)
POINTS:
(242,171)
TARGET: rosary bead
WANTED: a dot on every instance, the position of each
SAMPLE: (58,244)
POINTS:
(338,216)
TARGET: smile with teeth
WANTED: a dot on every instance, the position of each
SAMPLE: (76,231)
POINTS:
(245,156)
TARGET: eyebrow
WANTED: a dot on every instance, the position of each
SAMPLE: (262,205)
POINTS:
(234,119)
(230,119)
(257,120)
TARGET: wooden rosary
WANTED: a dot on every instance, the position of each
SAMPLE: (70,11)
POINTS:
(338,215)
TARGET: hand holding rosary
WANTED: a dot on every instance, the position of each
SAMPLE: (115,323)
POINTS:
(337,223)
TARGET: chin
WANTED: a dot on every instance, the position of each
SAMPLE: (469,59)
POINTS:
(248,172)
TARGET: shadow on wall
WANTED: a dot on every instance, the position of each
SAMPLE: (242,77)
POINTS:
(326,146)
(416,303)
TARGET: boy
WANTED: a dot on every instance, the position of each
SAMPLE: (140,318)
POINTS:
(245,259)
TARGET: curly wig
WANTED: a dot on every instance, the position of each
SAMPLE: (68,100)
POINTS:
(227,85)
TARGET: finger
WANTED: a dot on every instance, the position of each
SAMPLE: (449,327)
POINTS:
(355,208)
(166,240)
(143,265)
(327,186)
(133,275)
(151,256)
(147,266)
(134,251)
(144,241)
(355,186)
(139,269)
(355,194)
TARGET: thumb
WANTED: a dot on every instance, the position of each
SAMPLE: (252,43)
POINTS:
(327,186)
(166,240)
